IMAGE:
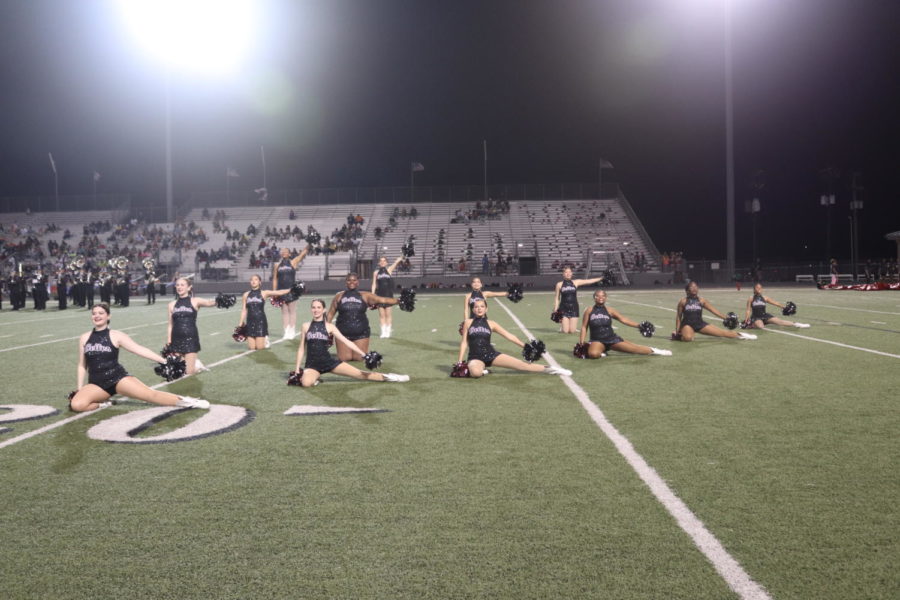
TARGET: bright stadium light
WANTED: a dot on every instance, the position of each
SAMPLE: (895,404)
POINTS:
(199,36)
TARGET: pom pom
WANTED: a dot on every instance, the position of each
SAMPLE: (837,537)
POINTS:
(730,321)
(408,249)
(296,291)
(167,351)
(313,238)
(407,301)
(556,316)
(372,306)
(294,377)
(461,325)
(71,395)
(580,350)
(240,333)
(789,309)
(647,329)
(331,339)
(225,300)
(676,337)
(174,368)
(514,293)
(277,301)
(533,350)
(373,360)
(460,369)
(746,324)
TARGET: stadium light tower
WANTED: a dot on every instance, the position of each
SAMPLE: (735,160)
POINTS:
(207,38)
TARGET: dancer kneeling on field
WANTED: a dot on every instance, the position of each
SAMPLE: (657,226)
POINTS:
(351,306)
(98,358)
(477,340)
(756,315)
(315,339)
(689,318)
(598,319)
(253,313)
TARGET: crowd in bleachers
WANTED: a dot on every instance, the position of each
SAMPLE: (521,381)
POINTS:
(481,211)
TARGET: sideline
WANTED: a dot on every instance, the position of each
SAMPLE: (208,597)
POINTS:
(727,567)
(77,416)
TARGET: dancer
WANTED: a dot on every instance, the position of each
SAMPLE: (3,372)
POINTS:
(284,275)
(477,293)
(598,320)
(566,300)
(689,318)
(350,306)
(315,338)
(98,358)
(383,285)
(756,315)
(253,313)
(481,354)
(183,337)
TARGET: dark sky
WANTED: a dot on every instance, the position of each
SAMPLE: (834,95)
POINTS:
(346,93)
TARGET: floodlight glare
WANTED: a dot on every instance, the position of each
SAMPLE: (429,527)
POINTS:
(201,36)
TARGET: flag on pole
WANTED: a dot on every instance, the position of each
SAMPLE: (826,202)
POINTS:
(52,163)
(263,194)
(96,176)
(230,172)
(416,167)
(605,164)
(485,150)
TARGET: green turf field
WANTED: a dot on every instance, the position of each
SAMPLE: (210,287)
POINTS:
(785,448)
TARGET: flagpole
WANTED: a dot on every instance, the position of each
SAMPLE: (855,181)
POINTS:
(262,156)
(600,179)
(94,178)
(485,171)
(227,187)
(412,183)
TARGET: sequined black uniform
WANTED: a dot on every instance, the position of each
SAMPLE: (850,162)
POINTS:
(318,357)
(185,337)
(693,314)
(286,276)
(476,295)
(479,340)
(351,316)
(102,360)
(384,285)
(600,324)
(568,298)
(758,305)
(257,325)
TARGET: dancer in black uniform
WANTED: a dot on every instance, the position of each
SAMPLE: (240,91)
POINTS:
(477,292)
(598,320)
(689,318)
(284,275)
(98,358)
(253,313)
(383,285)
(315,338)
(758,317)
(566,299)
(351,306)
(477,340)
(183,337)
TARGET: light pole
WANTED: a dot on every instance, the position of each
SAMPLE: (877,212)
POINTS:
(855,206)
(729,144)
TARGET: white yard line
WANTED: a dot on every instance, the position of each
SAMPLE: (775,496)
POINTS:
(727,567)
(879,312)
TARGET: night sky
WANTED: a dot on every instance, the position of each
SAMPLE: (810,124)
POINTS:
(346,93)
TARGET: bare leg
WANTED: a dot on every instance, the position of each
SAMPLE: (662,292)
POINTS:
(632,348)
(135,388)
(687,333)
(256,343)
(88,398)
(351,371)
(595,350)
(190,361)
(716,332)
(292,315)
(504,360)
(309,378)
(476,368)
(569,324)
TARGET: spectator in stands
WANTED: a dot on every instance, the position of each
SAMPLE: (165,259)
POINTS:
(485,264)
(566,299)
(284,275)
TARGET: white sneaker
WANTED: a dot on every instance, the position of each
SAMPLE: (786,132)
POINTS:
(198,364)
(801,325)
(558,371)
(387,333)
(661,352)
(383,333)
(268,343)
(395,378)
(487,371)
(106,404)
(746,336)
(188,402)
